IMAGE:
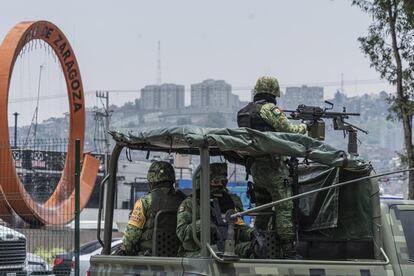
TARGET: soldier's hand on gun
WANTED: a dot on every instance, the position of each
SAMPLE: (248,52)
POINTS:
(308,124)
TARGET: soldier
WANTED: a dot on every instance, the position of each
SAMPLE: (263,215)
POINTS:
(137,238)
(270,174)
(226,201)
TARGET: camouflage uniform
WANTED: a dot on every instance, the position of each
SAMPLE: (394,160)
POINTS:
(270,173)
(189,247)
(137,238)
(275,118)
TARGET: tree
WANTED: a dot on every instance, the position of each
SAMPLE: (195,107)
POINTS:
(390,48)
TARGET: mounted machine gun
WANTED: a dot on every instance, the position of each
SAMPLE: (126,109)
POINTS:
(313,116)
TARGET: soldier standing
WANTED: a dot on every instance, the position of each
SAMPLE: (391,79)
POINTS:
(226,201)
(270,173)
(137,238)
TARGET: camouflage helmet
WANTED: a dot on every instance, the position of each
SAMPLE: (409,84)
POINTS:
(161,171)
(217,171)
(267,85)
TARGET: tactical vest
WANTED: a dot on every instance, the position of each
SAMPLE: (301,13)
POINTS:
(249,116)
(161,199)
(226,203)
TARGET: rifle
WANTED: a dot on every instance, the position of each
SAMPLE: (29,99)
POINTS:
(221,225)
(313,115)
(250,192)
(225,231)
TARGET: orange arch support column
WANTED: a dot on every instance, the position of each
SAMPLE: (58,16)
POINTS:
(59,208)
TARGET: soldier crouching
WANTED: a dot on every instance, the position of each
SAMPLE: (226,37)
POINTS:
(137,238)
(244,247)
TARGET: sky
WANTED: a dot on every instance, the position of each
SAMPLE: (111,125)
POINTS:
(298,41)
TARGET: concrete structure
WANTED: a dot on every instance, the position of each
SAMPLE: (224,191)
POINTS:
(308,95)
(166,96)
(212,95)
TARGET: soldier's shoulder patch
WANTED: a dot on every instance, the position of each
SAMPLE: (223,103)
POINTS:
(239,221)
(272,108)
(137,217)
(276,110)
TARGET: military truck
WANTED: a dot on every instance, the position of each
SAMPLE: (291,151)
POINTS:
(342,228)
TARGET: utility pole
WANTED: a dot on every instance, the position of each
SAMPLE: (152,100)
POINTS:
(103,114)
(15,114)
(106,116)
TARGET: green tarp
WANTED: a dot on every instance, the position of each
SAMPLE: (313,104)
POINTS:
(240,141)
(340,213)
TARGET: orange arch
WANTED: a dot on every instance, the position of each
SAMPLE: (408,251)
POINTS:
(59,208)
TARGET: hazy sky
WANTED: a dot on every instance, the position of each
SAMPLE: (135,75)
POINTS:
(299,42)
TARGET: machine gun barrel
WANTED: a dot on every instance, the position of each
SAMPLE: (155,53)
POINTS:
(301,114)
(329,114)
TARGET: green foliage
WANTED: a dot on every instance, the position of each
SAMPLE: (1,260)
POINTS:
(48,254)
(389,45)
(409,10)
(404,159)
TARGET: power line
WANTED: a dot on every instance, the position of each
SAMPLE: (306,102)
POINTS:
(234,88)
(249,88)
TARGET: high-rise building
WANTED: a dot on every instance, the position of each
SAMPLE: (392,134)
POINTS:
(308,95)
(212,95)
(166,96)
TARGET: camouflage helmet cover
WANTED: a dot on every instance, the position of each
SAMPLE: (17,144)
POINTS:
(217,171)
(267,85)
(161,171)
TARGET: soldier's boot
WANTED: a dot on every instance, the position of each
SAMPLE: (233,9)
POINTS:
(289,250)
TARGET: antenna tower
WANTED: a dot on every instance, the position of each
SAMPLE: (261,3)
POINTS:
(159,63)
